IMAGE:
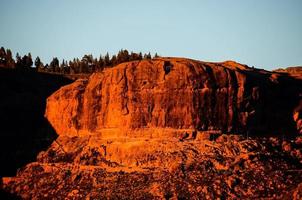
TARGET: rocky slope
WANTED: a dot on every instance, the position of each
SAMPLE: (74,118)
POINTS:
(164,129)
(229,167)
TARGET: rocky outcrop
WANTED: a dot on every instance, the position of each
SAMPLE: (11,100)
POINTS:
(154,129)
(179,94)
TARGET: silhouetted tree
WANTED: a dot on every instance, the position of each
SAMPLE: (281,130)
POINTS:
(86,65)
(38,64)
(26,62)
(6,59)
(88,59)
(94,66)
(54,65)
(2,56)
(147,56)
(135,56)
(122,56)
(114,60)
(107,60)
(18,61)
(82,68)
(10,62)
(71,68)
(29,61)
(140,56)
(101,63)
(77,66)
(64,67)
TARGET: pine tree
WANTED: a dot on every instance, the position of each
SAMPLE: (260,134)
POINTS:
(114,60)
(101,63)
(26,61)
(145,56)
(63,67)
(71,68)
(38,64)
(29,61)
(134,56)
(54,65)
(18,61)
(149,56)
(140,56)
(107,60)
(87,62)
(6,58)
(2,56)
(125,56)
(46,68)
(10,62)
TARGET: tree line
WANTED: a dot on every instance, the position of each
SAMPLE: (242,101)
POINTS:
(87,64)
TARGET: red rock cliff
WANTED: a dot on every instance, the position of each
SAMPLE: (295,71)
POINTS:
(176,93)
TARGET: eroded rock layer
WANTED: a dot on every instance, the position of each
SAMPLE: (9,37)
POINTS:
(177,93)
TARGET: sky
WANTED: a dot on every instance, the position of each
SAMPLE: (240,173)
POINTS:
(262,33)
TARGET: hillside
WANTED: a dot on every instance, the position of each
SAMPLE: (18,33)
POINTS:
(170,128)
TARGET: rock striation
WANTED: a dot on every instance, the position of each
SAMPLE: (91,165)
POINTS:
(180,94)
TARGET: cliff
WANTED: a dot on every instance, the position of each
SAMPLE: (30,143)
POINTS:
(163,129)
(180,94)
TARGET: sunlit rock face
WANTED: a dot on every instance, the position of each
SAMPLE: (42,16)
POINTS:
(177,93)
(164,129)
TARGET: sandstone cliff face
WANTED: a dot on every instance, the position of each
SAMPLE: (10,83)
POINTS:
(127,133)
(179,94)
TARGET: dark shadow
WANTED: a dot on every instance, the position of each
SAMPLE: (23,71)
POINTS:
(167,67)
(263,108)
(277,100)
(24,131)
(7,196)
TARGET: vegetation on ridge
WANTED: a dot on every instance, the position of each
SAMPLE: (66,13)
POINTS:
(86,65)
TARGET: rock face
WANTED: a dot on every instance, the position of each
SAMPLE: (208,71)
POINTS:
(179,94)
(155,129)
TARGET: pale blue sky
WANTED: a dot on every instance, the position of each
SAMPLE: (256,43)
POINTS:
(263,33)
